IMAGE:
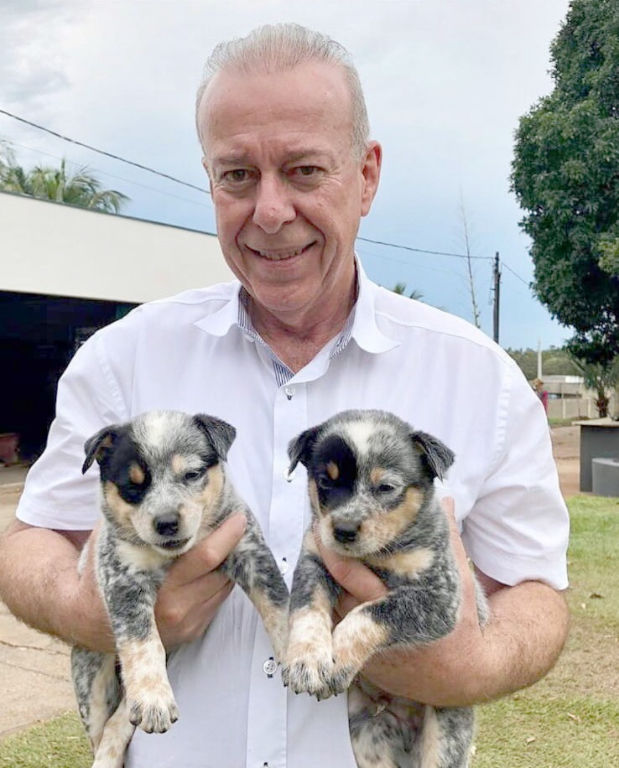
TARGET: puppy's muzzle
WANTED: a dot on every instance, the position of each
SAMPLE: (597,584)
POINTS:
(346,531)
(167,525)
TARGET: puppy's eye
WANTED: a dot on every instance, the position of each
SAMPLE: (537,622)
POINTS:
(385,488)
(193,474)
(324,481)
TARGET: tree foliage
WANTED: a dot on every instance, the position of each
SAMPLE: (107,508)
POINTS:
(555,362)
(79,188)
(565,175)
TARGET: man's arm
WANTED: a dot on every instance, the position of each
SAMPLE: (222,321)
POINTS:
(521,642)
(40,584)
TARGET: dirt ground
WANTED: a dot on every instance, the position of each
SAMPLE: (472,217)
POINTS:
(566,450)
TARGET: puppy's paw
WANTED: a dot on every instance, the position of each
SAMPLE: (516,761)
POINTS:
(341,679)
(153,712)
(309,673)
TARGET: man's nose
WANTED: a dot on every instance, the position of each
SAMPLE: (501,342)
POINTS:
(274,206)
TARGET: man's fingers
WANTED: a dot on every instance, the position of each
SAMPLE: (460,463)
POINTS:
(209,553)
(353,576)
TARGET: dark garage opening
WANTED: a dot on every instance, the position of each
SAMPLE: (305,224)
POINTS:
(38,336)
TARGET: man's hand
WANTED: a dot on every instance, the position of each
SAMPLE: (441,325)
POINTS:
(521,642)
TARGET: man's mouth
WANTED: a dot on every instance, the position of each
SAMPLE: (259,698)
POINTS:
(280,254)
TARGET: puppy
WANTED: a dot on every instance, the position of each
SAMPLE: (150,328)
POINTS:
(371,487)
(164,487)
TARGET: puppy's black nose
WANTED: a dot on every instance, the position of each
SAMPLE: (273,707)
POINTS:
(167,525)
(346,531)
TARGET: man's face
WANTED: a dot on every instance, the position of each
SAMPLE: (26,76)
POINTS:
(287,190)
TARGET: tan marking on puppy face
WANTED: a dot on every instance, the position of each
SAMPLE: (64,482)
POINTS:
(179,464)
(404,563)
(333,470)
(357,638)
(211,493)
(142,558)
(376,475)
(309,542)
(385,527)
(118,507)
(136,474)
(312,490)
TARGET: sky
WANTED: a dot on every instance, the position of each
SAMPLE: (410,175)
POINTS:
(446,82)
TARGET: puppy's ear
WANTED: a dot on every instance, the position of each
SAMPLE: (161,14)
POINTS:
(99,445)
(435,456)
(219,432)
(300,448)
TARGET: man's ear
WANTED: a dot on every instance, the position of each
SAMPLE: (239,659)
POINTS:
(435,456)
(300,448)
(371,175)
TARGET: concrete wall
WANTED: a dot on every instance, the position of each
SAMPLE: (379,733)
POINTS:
(54,249)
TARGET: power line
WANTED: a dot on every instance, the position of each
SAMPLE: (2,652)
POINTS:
(102,152)
(422,250)
(509,269)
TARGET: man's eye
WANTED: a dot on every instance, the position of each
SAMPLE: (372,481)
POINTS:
(237,175)
(306,171)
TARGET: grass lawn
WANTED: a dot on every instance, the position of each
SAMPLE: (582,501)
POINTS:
(568,720)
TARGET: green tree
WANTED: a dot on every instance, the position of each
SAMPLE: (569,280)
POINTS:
(565,175)
(79,188)
(602,379)
(400,288)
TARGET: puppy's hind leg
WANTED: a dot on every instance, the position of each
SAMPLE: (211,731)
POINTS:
(97,690)
(446,737)
(115,739)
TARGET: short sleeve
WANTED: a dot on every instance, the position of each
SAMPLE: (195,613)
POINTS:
(57,494)
(518,528)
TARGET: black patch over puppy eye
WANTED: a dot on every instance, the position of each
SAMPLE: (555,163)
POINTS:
(334,468)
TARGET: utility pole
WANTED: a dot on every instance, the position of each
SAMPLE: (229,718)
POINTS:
(497,295)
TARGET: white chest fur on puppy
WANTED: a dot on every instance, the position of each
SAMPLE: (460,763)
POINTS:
(371,487)
(164,487)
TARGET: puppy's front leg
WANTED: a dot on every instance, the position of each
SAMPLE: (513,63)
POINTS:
(252,566)
(130,595)
(150,701)
(309,657)
(355,640)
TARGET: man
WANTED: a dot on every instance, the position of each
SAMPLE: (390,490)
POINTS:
(302,335)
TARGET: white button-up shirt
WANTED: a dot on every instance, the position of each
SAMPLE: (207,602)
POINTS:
(196,352)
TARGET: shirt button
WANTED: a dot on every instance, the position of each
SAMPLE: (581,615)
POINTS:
(269,667)
(289,392)
(283,566)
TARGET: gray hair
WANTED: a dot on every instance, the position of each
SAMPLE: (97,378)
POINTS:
(278,47)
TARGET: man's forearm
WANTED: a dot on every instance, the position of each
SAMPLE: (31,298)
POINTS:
(520,644)
(40,585)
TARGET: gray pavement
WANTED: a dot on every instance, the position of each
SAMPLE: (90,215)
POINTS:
(34,668)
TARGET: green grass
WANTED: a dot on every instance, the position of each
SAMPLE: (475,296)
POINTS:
(59,743)
(568,720)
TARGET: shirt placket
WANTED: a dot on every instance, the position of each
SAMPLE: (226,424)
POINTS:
(288,518)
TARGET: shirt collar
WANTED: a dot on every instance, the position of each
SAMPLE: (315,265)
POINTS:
(360,326)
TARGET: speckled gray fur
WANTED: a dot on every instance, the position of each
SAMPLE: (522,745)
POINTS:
(163,488)
(367,469)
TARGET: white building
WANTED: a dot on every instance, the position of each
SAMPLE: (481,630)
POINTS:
(66,271)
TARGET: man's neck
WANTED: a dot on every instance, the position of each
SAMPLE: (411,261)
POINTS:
(297,340)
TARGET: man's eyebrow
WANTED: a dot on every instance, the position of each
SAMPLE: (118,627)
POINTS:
(242,158)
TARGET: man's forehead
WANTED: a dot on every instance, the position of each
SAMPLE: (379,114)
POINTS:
(312,92)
